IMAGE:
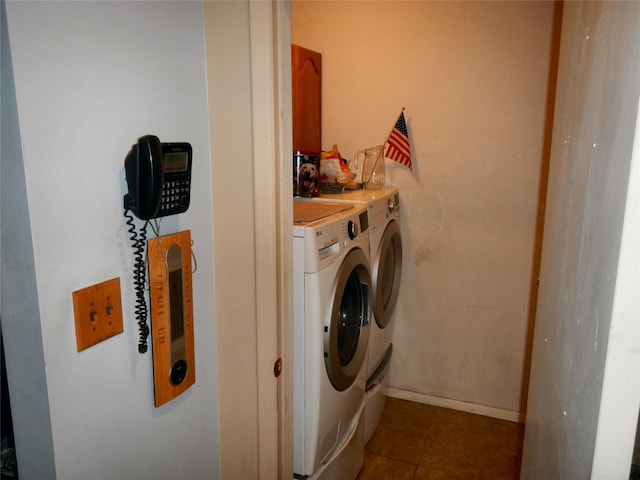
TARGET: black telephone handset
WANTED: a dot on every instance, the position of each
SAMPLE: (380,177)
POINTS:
(159,184)
(143,168)
(158,178)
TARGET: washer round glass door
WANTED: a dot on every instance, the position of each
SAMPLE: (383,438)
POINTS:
(387,269)
(347,333)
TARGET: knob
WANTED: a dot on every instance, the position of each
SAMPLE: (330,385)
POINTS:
(352,229)
(391,205)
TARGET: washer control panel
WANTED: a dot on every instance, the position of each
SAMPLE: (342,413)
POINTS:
(329,236)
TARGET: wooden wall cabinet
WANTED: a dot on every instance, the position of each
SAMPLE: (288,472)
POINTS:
(306,73)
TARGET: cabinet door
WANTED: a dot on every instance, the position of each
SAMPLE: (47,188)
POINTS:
(306,73)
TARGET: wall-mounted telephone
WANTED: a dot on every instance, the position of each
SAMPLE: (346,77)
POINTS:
(159,184)
(158,178)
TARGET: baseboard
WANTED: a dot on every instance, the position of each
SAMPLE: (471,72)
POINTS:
(457,405)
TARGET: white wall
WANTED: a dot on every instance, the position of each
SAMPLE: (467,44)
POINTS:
(90,77)
(473,78)
(585,389)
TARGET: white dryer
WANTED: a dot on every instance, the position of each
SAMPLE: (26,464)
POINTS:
(332,313)
(385,241)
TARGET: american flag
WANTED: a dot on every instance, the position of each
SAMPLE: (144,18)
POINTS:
(398,148)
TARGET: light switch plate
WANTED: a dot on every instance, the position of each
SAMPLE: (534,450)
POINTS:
(98,313)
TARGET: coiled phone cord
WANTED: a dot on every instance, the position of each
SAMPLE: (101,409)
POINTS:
(138,242)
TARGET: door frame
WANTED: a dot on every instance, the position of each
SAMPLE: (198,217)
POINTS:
(248,49)
(270,30)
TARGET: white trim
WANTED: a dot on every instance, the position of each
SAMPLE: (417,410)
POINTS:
(270,45)
(265,170)
(284,221)
(457,405)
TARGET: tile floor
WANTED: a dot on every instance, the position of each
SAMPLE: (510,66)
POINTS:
(422,442)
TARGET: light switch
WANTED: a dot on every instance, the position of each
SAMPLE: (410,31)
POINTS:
(98,313)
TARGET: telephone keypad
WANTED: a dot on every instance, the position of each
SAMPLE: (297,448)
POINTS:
(175,197)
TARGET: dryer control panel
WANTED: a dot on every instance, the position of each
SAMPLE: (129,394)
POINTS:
(382,210)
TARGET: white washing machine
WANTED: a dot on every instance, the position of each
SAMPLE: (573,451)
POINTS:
(385,241)
(332,315)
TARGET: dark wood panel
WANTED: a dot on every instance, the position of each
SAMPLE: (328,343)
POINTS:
(306,72)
